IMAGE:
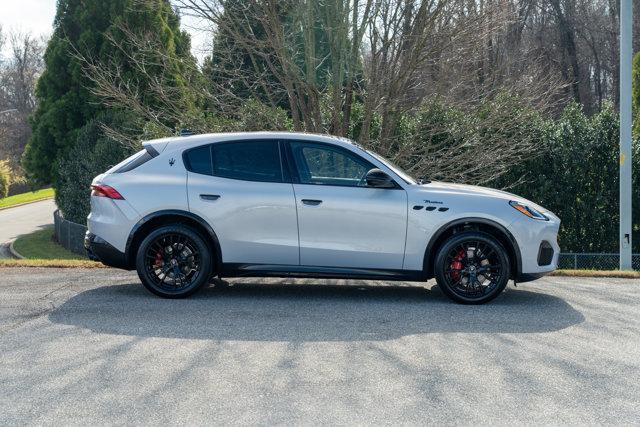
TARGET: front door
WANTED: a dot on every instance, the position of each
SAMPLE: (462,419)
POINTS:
(341,221)
(241,189)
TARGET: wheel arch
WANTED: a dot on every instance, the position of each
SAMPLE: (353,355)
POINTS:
(495,229)
(171,216)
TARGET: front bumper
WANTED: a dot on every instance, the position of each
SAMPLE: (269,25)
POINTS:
(539,249)
(99,250)
(530,277)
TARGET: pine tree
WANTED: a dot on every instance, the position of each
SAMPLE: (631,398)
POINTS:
(248,76)
(66,102)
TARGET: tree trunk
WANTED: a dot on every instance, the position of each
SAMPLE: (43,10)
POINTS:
(568,43)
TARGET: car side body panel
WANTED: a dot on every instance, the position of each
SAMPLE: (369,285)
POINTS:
(264,229)
(439,208)
(159,184)
(255,221)
(354,227)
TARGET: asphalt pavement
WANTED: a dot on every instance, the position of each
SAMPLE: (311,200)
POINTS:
(23,220)
(85,347)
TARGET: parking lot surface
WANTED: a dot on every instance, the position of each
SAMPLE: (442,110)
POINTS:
(93,346)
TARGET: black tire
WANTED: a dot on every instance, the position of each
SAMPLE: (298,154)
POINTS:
(472,267)
(174,261)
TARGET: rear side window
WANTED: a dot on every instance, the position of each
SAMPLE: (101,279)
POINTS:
(243,160)
(248,160)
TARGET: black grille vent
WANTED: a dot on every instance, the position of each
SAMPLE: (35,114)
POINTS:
(545,253)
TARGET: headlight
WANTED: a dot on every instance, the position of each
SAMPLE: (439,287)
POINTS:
(528,211)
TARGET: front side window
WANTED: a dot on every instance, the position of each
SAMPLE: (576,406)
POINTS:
(325,165)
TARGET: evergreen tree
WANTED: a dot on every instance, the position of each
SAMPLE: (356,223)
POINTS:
(66,103)
(247,76)
(232,67)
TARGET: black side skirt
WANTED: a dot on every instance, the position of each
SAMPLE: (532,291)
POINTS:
(278,270)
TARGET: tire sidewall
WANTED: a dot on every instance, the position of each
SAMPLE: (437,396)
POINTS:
(455,240)
(206,260)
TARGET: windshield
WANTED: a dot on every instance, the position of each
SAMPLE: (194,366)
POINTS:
(388,163)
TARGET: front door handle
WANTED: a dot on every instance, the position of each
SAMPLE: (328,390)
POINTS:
(209,197)
(311,202)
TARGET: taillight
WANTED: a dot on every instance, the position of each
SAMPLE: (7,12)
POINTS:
(101,190)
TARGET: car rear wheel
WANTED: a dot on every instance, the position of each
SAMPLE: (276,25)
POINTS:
(472,267)
(174,261)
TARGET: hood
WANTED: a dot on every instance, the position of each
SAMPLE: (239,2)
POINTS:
(446,188)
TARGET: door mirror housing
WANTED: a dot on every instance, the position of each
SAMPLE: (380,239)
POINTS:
(378,179)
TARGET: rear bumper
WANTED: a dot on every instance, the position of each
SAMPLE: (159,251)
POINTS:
(99,250)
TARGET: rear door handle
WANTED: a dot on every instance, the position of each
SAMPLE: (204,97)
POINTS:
(311,202)
(209,197)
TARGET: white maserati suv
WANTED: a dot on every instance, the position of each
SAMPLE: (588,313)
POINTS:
(186,209)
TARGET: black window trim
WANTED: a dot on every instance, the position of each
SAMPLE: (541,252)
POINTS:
(285,177)
(141,157)
(295,175)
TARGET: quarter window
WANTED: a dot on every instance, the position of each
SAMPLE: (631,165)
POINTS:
(324,165)
(199,160)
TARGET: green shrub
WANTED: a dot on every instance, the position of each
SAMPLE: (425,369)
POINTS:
(256,116)
(576,177)
(93,154)
(5,178)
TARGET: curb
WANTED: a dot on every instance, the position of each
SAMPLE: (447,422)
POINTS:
(26,203)
(14,253)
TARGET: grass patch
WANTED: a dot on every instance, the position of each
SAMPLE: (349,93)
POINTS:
(40,245)
(52,263)
(40,250)
(621,274)
(33,196)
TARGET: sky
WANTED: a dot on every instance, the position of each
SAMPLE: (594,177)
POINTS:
(36,17)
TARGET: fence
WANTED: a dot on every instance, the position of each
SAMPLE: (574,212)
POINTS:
(69,234)
(594,261)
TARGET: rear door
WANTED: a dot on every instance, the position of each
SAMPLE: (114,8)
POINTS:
(243,191)
(342,222)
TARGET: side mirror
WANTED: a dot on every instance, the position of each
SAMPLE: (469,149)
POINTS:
(378,179)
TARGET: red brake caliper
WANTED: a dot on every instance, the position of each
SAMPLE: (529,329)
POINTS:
(159,261)
(456,264)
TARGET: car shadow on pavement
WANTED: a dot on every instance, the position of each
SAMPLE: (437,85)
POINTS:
(256,311)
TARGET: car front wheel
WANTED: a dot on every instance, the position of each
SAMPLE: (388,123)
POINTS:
(174,261)
(472,267)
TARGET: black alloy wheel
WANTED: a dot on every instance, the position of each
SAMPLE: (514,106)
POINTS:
(472,267)
(174,261)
